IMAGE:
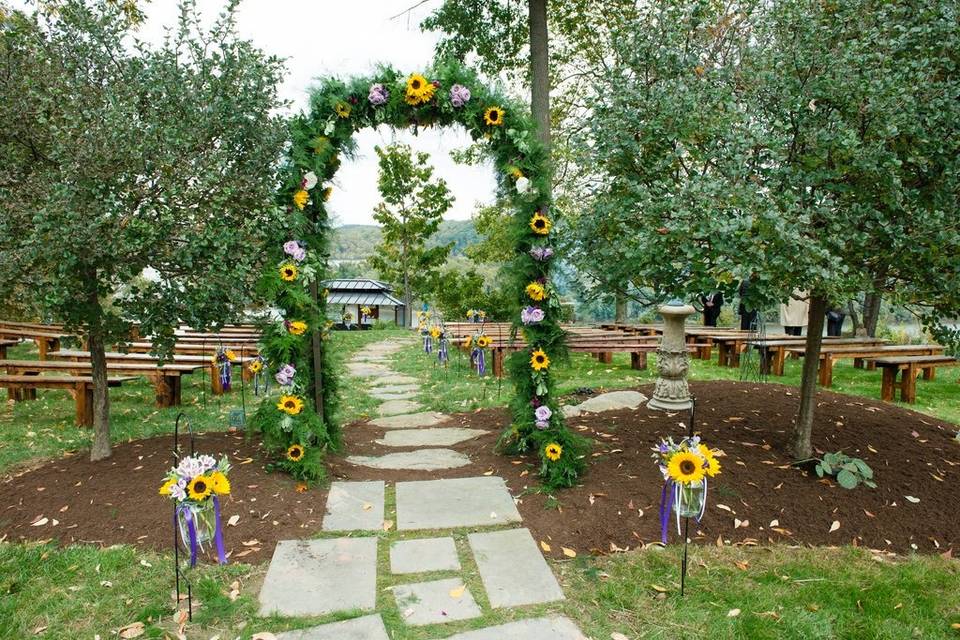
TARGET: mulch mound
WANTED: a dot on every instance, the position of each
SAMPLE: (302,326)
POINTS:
(116,501)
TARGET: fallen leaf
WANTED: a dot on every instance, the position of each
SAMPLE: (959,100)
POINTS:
(144,563)
(39,630)
(546,548)
(106,584)
(263,635)
(618,636)
(912,499)
(457,593)
(134,630)
(658,588)
(251,543)
(570,553)
(40,522)
(387,525)
(774,523)
(733,613)
(834,526)
(724,507)
(234,519)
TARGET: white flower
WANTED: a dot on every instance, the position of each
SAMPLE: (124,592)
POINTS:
(207,463)
(309,180)
(178,493)
(523,184)
(189,467)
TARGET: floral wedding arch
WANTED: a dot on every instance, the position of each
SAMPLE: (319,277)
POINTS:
(301,424)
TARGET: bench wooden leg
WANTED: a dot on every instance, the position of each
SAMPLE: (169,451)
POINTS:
(638,360)
(722,355)
(735,355)
(498,363)
(858,363)
(246,373)
(871,366)
(908,384)
(215,387)
(176,387)
(779,361)
(826,371)
(888,383)
(606,357)
(929,373)
(83,397)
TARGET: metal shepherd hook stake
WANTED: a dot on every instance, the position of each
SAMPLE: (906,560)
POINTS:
(176,540)
(686,519)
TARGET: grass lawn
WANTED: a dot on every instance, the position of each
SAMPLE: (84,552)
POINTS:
(733,592)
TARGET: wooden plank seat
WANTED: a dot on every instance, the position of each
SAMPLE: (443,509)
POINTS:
(181,348)
(80,386)
(166,377)
(830,352)
(177,358)
(46,340)
(4,345)
(603,351)
(773,351)
(911,366)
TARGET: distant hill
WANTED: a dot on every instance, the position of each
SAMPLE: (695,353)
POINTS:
(355,242)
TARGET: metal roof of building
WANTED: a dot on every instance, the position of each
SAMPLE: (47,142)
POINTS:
(357,284)
(371,298)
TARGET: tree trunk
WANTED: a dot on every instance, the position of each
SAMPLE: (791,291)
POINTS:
(620,314)
(803,428)
(407,301)
(101,399)
(540,69)
(871,312)
(317,354)
(858,329)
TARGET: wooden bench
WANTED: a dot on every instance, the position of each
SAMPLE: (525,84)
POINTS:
(46,340)
(80,386)
(911,366)
(831,352)
(4,344)
(166,377)
(177,358)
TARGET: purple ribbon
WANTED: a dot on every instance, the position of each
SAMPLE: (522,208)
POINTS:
(666,505)
(442,351)
(191,531)
(218,532)
(481,362)
(427,344)
(226,370)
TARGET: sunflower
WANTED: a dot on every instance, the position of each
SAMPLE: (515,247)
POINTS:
(536,291)
(289,272)
(540,224)
(342,109)
(255,367)
(493,116)
(295,452)
(300,199)
(467,342)
(291,405)
(419,90)
(230,354)
(483,342)
(326,193)
(199,488)
(713,465)
(553,451)
(516,173)
(685,467)
(220,484)
(166,486)
(435,332)
(298,327)
(539,360)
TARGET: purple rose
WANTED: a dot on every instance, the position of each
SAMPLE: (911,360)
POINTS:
(541,254)
(378,95)
(459,95)
(531,315)
(543,413)
(540,424)
(285,375)
(295,250)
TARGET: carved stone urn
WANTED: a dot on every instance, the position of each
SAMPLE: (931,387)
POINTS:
(671,392)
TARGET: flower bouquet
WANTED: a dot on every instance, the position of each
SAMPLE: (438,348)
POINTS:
(195,485)
(478,355)
(223,359)
(686,466)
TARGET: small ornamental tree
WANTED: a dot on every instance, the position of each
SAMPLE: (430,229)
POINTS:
(119,157)
(447,95)
(410,213)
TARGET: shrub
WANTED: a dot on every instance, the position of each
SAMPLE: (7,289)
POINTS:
(849,471)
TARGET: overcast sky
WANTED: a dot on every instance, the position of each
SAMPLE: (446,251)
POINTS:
(319,38)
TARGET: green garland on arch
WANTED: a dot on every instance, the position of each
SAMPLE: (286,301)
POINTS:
(447,94)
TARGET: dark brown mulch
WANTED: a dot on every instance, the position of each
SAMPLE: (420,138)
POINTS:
(117,501)
(913,455)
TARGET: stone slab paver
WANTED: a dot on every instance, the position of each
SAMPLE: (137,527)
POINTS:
(365,628)
(391,379)
(317,577)
(397,388)
(425,554)
(512,569)
(432,602)
(549,628)
(397,395)
(458,502)
(418,460)
(411,420)
(611,401)
(364,370)
(437,437)
(354,506)
(398,407)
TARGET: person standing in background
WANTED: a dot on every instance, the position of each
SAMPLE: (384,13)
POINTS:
(793,314)
(835,317)
(712,305)
(748,317)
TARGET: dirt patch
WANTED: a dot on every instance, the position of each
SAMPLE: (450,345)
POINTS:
(617,505)
(116,501)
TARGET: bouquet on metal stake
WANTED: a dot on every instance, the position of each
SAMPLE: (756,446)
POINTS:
(443,355)
(224,359)
(686,466)
(258,371)
(195,485)
(478,356)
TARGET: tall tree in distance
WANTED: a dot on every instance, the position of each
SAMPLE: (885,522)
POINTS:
(540,69)
(410,212)
(119,157)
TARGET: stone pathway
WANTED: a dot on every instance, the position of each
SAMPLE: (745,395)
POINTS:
(339,575)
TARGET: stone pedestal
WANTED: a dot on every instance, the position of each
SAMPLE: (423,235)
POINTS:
(671,392)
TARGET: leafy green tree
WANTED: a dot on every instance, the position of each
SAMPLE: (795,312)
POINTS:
(459,290)
(121,158)
(411,211)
